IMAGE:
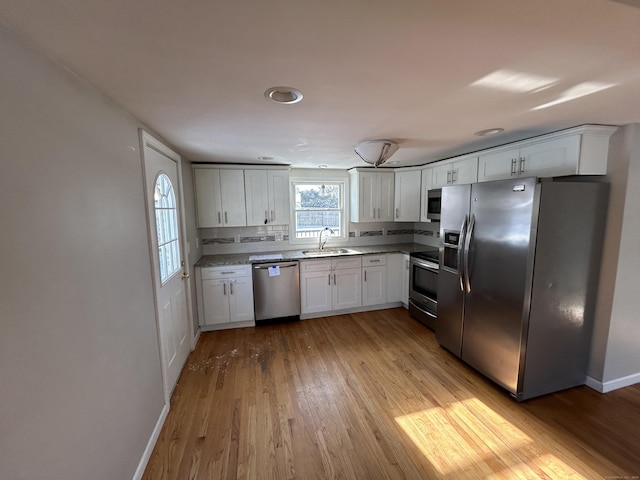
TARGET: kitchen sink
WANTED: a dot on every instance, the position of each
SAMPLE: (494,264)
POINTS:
(329,251)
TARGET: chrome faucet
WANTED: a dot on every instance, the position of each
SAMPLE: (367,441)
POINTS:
(320,242)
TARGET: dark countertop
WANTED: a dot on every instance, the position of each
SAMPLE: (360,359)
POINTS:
(289,255)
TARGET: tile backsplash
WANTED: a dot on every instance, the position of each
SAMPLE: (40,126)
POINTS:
(276,237)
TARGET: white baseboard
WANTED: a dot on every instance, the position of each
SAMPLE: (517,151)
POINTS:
(368,308)
(605,387)
(151,443)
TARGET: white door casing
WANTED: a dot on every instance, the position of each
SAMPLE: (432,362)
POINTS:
(172,294)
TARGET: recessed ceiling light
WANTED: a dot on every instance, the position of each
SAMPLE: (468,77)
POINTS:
(489,131)
(286,95)
(323,166)
(395,162)
(265,158)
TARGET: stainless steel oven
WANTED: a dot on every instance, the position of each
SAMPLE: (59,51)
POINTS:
(423,287)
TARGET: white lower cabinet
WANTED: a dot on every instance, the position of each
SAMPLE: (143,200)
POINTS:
(330,284)
(226,295)
(374,280)
(406,271)
(395,277)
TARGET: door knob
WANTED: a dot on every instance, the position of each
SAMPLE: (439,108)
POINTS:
(185,276)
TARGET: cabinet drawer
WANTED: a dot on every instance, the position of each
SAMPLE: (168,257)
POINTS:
(211,273)
(374,260)
(315,265)
(341,263)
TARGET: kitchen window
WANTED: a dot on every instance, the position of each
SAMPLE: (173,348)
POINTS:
(318,206)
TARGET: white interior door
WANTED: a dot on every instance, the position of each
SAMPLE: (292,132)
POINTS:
(162,184)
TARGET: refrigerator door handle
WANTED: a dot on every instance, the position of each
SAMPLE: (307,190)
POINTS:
(467,246)
(463,234)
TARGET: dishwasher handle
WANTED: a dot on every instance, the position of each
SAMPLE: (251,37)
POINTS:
(281,265)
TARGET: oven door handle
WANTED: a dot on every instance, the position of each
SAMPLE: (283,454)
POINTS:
(430,267)
(463,235)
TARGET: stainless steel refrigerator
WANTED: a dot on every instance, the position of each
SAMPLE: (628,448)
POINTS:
(518,276)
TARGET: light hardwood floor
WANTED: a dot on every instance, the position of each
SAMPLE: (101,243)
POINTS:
(373,396)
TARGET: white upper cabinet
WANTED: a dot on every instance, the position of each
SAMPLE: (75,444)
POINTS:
(372,195)
(426,185)
(455,172)
(577,151)
(220,198)
(267,197)
(407,196)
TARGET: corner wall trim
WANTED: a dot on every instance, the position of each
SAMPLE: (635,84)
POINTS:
(151,444)
(612,384)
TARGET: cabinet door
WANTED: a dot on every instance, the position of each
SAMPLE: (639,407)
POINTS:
(441,175)
(315,292)
(233,201)
(385,197)
(426,185)
(395,270)
(465,171)
(407,196)
(257,197)
(215,301)
(498,165)
(367,196)
(208,201)
(279,213)
(374,285)
(347,288)
(405,280)
(551,158)
(240,299)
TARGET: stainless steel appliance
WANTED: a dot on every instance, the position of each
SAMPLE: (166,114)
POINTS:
(518,277)
(423,286)
(434,204)
(276,291)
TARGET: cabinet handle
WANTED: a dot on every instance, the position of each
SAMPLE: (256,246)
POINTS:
(454,175)
(224,288)
(334,279)
(226,220)
(522,160)
(378,213)
(397,212)
(374,213)
(231,287)
(219,218)
(365,275)
(273,217)
(449,176)
(329,279)
(513,166)
(374,261)
(266,216)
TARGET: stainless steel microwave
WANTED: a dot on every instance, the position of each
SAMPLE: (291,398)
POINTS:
(434,198)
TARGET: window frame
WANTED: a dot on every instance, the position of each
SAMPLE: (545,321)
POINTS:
(343,185)
(169,215)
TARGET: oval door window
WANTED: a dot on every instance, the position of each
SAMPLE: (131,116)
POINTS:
(164,199)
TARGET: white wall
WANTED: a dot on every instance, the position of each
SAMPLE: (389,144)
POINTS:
(615,358)
(79,362)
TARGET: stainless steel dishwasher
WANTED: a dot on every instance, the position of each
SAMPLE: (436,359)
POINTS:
(276,291)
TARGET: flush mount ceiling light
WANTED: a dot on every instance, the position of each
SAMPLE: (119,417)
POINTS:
(264,158)
(286,95)
(376,152)
(489,131)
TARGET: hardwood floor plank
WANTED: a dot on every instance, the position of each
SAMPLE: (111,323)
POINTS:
(373,396)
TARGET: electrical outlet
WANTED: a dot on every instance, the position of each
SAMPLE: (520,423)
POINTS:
(236,239)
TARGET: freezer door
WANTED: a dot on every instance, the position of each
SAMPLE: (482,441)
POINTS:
(499,258)
(454,216)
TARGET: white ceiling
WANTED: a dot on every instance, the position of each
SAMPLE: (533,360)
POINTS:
(195,71)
